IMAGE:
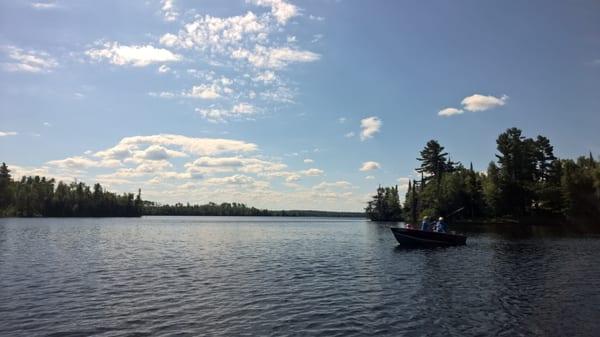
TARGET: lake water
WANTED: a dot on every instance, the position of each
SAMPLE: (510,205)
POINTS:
(289,276)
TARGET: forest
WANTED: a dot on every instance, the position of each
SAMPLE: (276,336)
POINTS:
(525,183)
(39,196)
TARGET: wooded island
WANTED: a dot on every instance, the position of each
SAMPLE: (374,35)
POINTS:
(526,183)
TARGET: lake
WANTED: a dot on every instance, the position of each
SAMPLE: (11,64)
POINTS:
(227,276)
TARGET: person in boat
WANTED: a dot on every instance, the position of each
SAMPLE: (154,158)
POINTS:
(441,226)
(425,225)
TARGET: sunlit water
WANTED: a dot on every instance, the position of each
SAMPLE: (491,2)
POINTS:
(288,276)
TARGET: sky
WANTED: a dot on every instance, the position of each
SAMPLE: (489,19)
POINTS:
(287,104)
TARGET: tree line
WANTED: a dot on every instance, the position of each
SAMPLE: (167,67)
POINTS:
(525,182)
(39,196)
(234,209)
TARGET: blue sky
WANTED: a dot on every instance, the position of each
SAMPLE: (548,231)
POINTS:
(287,104)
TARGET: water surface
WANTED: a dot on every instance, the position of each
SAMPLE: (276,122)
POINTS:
(289,276)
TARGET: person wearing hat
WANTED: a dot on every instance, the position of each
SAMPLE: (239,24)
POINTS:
(425,224)
(440,226)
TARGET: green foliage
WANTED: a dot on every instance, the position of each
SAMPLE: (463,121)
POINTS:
(35,196)
(433,160)
(385,205)
(526,181)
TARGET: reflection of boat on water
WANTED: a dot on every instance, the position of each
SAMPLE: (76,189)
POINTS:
(415,237)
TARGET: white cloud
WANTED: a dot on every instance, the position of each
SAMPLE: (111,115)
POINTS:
(450,112)
(274,57)
(218,34)
(157,152)
(243,109)
(238,180)
(44,5)
(217,115)
(312,172)
(281,10)
(349,134)
(369,177)
(169,40)
(308,161)
(369,166)
(82,163)
(370,126)
(47,124)
(205,165)
(292,178)
(479,102)
(266,77)
(337,185)
(197,146)
(135,55)
(205,91)
(316,18)
(28,61)
(342,120)
(169,11)
(164,69)
(8,133)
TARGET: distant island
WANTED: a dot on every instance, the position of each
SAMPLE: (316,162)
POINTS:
(526,184)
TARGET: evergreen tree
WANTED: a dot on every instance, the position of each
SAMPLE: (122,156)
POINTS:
(433,160)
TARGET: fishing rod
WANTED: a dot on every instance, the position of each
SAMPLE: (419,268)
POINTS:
(458,210)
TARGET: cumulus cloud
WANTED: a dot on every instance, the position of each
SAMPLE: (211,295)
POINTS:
(205,165)
(8,133)
(349,134)
(135,55)
(369,127)
(197,146)
(370,166)
(479,102)
(450,112)
(308,161)
(475,103)
(158,152)
(312,172)
(30,61)
(280,9)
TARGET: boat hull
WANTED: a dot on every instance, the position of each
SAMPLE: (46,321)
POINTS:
(416,238)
